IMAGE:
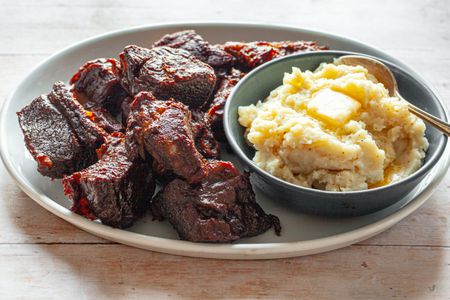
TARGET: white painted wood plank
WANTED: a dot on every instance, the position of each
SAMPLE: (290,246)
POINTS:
(388,24)
(117,272)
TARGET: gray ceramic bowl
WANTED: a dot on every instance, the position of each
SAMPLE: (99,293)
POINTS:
(257,86)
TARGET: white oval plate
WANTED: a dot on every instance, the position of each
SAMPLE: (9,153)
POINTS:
(301,235)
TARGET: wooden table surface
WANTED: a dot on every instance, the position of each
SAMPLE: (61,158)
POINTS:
(42,256)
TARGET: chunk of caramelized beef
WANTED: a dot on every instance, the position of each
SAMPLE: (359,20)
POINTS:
(58,133)
(167,73)
(195,129)
(215,111)
(50,139)
(251,55)
(205,143)
(192,42)
(165,130)
(117,189)
(98,81)
(222,208)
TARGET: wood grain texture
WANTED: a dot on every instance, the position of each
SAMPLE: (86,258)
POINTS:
(43,257)
(118,272)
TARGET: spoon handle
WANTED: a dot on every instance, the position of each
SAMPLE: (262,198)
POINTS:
(437,123)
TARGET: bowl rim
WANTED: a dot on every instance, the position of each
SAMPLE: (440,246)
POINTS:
(425,168)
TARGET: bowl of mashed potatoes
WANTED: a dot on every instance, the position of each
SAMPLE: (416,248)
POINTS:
(327,138)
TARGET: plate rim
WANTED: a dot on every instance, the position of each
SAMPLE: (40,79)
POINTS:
(222,251)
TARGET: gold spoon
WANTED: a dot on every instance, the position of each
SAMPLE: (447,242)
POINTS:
(385,76)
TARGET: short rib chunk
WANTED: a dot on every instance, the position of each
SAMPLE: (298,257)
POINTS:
(165,130)
(117,189)
(167,73)
(59,134)
(222,208)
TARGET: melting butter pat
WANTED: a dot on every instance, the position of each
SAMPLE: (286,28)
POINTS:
(331,107)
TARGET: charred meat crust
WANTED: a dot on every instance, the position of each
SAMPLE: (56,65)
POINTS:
(204,142)
(98,81)
(167,73)
(87,131)
(117,189)
(222,208)
(193,43)
(59,134)
(216,108)
(164,129)
(250,55)
(50,138)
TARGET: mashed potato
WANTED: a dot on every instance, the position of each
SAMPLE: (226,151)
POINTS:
(335,129)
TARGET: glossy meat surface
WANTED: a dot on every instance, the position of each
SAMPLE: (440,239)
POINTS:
(98,81)
(222,208)
(50,138)
(88,132)
(204,142)
(167,73)
(216,108)
(251,55)
(59,134)
(192,42)
(164,129)
(117,189)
